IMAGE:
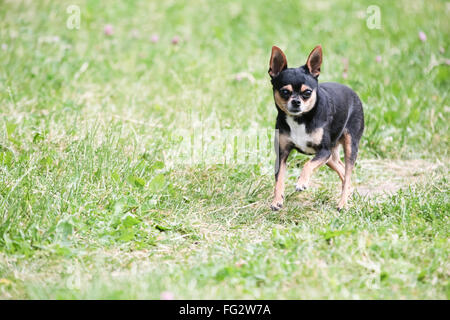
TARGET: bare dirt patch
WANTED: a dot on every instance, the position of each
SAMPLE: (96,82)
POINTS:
(375,177)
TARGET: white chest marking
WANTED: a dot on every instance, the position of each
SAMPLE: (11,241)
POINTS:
(299,136)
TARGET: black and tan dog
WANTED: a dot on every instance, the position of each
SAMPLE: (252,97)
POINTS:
(314,119)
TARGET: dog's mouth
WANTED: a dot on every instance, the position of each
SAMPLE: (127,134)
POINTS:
(295,111)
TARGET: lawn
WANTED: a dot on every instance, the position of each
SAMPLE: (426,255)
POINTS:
(91,208)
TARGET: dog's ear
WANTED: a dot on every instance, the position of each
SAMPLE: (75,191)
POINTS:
(278,62)
(314,61)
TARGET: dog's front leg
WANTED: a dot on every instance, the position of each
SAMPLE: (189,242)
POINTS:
(319,160)
(282,149)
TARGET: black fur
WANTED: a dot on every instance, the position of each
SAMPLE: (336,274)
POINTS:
(337,108)
(337,111)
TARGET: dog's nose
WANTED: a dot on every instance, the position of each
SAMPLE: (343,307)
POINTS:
(295,103)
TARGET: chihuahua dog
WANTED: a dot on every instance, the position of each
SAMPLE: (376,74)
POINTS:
(313,119)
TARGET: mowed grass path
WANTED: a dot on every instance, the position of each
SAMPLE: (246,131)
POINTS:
(89,208)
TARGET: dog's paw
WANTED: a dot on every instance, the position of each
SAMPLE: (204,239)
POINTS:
(301,187)
(276,205)
(341,206)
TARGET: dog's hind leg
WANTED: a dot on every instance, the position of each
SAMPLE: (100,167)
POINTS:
(336,157)
(350,153)
(336,164)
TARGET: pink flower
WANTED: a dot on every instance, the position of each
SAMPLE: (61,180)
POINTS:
(167,295)
(344,75)
(108,30)
(244,75)
(154,38)
(175,40)
(378,59)
(422,36)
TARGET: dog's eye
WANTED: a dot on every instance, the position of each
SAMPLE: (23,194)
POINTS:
(285,92)
(306,94)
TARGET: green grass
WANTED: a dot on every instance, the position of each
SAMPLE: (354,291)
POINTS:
(89,209)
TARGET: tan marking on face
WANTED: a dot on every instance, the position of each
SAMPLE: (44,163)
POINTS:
(309,103)
(281,103)
(304,87)
(287,87)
